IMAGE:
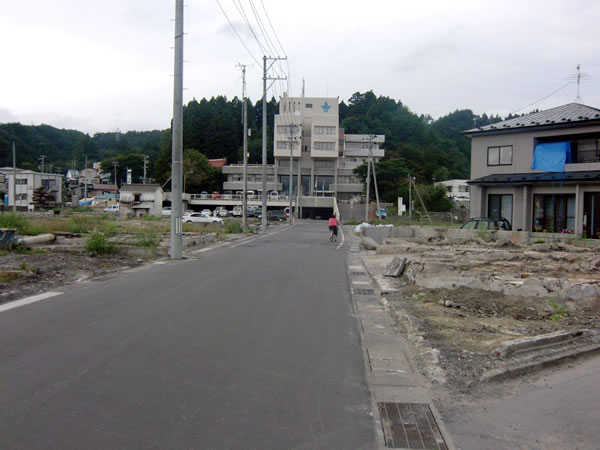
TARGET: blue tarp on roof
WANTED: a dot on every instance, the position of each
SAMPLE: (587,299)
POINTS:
(551,156)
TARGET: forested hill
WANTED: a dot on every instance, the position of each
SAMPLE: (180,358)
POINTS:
(429,149)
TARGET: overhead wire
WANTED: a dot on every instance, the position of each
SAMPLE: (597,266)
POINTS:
(240,9)
(544,98)
(237,34)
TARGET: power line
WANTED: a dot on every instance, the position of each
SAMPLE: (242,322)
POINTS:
(237,34)
(272,28)
(245,18)
(543,98)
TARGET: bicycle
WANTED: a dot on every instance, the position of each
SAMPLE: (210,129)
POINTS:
(332,235)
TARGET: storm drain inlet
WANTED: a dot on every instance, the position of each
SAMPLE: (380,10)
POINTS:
(358,274)
(410,425)
(364,291)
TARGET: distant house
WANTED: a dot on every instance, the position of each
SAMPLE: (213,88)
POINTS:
(27,181)
(138,200)
(540,171)
(457,190)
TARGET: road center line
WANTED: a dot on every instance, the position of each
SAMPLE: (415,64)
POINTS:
(27,301)
(261,237)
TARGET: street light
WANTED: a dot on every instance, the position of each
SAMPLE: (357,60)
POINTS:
(184,175)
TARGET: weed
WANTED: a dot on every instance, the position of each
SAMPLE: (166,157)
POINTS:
(148,238)
(20,223)
(149,218)
(232,226)
(22,250)
(539,241)
(23,266)
(98,244)
(83,209)
(7,277)
(559,311)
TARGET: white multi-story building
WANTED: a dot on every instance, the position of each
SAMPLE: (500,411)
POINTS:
(27,181)
(323,157)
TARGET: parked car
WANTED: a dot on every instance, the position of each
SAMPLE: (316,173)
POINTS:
(485,223)
(221,211)
(227,195)
(286,210)
(166,211)
(201,218)
(277,214)
(206,211)
(251,211)
(237,211)
(382,213)
(203,195)
(215,195)
(250,194)
(112,208)
(274,195)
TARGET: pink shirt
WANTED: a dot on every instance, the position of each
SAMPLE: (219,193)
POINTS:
(333,222)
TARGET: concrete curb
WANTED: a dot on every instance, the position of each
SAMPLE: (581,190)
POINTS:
(508,372)
(538,342)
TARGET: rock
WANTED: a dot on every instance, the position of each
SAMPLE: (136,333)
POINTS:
(395,268)
(368,243)
(525,275)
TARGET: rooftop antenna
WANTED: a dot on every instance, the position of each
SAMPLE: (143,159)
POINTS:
(302,87)
(579,77)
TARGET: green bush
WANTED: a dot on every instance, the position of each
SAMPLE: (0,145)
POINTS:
(98,244)
(148,239)
(232,226)
(82,209)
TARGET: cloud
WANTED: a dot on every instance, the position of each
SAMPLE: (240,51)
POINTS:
(6,116)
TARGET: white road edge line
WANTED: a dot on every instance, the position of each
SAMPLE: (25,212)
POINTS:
(27,301)
(341,243)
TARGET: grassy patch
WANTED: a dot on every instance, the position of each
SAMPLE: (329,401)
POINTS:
(7,277)
(558,311)
(82,209)
(232,226)
(148,239)
(97,244)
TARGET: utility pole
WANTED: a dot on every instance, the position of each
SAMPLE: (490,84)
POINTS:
(115,165)
(14,186)
(371,137)
(292,130)
(245,149)
(368,188)
(177,137)
(145,163)
(42,157)
(409,197)
(264,136)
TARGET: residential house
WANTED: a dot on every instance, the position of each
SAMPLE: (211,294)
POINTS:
(540,171)
(139,200)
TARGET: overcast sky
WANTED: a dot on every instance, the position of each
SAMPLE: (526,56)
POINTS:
(103,65)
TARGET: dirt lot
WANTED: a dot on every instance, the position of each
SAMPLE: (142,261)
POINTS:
(455,324)
(33,272)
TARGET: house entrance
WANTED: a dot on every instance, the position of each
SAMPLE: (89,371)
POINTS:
(591,214)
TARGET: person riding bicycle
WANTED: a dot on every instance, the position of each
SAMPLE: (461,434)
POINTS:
(333,225)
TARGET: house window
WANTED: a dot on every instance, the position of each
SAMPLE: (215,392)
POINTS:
(324,164)
(449,188)
(309,105)
(285,145)
(324,146)
(554,213)
(21,196)
(499,156)
(464,189)
(21,181)
(137,197)
(500,206)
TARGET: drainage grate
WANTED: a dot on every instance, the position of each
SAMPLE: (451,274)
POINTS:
(410,425)
(358,274)
(364,291)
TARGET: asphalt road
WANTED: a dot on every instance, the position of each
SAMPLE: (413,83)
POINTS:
(247,346)
(556,409)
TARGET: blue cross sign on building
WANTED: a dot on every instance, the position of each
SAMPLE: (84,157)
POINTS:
(325,106)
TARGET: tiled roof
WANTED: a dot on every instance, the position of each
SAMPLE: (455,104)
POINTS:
(569,113)
(539,177)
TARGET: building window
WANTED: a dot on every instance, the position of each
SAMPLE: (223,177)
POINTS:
(21,196)
(21,181)
(324,130)
(499,156)
(137,197)
(500,206)
(554,213)
(324,146)
(285,129)
(306,148)
(324,164)
(309,105)
(285,145)
(464,189)
(448,188)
